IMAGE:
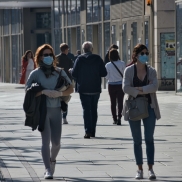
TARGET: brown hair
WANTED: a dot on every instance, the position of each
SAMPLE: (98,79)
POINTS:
(39,54)
(63,47)
(137,49)
(24,57)
(113,55)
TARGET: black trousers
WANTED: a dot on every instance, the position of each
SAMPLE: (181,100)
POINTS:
(116,97)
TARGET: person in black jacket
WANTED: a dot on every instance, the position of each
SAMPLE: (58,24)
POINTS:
(88,70)
(113,46)
(66,63)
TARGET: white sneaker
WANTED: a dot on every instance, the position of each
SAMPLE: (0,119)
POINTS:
(65,121)
(52,165)
(151,174)
(48,174)
(139,174)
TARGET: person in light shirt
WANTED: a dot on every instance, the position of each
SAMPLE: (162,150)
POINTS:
(28,65)
(115,79)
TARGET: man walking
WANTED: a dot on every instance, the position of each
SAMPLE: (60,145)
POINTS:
(88,70)
(66,63)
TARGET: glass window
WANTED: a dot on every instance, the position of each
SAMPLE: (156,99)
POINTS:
(43,20)
(56,15)
(99,10)
(78,12)
(78,39)
(14,21)
(107,5)
(106,36)
(15,70)
(179,46)
(65,11)
(89,11)
(95,11)
(124,43)
(65,38)
(6,21)
(147,34)
(89,32)
(73,12)
(69,38)
(83,36)
(44,38)
(69,12)
(60,12)
(113,33)
(58,40)
(100,39)
(135,40)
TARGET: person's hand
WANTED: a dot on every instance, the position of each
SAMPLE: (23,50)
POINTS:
(139,88)
(55,94)
(70,70)
(47,92)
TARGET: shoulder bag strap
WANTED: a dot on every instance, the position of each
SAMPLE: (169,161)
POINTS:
(117,69)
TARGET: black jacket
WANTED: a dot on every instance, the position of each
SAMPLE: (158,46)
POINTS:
(88,70)
(65,62)
(35,108)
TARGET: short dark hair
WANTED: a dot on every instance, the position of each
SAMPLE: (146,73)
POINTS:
(64,47)
(113,55)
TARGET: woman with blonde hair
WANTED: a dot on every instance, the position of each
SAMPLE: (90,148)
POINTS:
(46,74)
(140,81)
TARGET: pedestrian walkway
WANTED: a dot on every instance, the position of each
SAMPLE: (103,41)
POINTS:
(108,157)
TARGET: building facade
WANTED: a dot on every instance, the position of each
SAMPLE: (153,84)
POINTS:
(23,26)
(122,22)
(178,46)
(27,24)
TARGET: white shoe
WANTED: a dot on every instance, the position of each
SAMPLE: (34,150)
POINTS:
(139,174)
(65,121)
(151,174)
(52,165)
(48,174)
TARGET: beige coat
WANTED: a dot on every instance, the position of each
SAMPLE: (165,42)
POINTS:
(148,89)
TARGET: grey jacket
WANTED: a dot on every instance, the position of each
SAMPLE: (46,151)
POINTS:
(148,89)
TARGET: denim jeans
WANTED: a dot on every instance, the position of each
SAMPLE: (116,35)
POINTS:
(149,127)
(89,105)
(65,114)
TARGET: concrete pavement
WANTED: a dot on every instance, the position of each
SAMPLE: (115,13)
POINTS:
(108,157)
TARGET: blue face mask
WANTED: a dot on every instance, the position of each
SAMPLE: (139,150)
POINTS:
(48,60)
(143,59)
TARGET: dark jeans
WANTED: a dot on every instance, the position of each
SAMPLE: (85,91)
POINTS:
(89,105)
(116,96)
(65,114)
(149,127)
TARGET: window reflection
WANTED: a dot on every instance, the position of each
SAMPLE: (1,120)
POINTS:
(69,12)
(78,38)
(73,12)
(58,40)
(56,15)
(6,21)
(134,34)
(89,32)
(43,20)
(179,47)
(95,10)
(106,36)
(107,4)
(124,43)
(78,12)
(147,34)
(89,11)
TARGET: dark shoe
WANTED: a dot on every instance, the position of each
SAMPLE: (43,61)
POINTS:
(115,122)
(92,135)
(87,136)
(119,122)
